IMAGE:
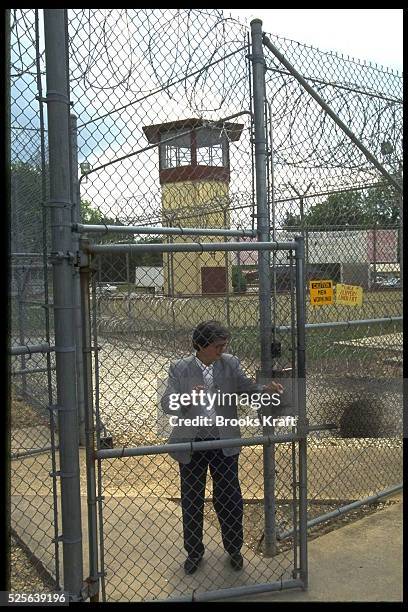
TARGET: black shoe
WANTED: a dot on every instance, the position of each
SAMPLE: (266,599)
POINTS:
(191,564)
(237,561)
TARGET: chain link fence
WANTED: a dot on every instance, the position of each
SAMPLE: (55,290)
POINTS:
(324,187)
(164,105)
(34,436)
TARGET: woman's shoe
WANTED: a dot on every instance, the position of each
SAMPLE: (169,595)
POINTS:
(237,561)
(191,564)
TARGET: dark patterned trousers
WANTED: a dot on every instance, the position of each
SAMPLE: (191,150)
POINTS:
(227,499)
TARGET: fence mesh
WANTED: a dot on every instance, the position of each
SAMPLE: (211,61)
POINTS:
(34,439)
(163,99)
(325,188)
(139,336)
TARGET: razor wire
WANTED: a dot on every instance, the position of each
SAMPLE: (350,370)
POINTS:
(165,82)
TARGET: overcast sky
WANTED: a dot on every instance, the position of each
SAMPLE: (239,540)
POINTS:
(368,34)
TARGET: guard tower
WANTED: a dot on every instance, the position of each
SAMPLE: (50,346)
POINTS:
(194,175)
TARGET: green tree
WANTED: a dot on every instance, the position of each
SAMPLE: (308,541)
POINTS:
(239,281)
(382,206)
(26,208)
(114,266)
(90,215)
(344,209)
(376,206)
(291,221)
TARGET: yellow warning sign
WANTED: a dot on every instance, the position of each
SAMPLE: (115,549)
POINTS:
(321,292)
(349,295)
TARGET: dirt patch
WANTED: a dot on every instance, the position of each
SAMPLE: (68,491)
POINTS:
(254,520)
(26,574)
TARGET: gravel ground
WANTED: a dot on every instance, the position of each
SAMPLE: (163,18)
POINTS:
(130,375)
(26,577)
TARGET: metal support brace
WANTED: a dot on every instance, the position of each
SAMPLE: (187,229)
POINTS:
(60,474)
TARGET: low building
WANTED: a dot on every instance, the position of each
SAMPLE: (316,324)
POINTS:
(149,278)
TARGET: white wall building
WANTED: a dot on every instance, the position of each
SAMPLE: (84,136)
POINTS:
(346,246)
(149,277)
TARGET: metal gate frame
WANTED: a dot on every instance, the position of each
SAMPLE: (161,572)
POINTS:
(95,456)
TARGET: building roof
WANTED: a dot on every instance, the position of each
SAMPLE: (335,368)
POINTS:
(153,132)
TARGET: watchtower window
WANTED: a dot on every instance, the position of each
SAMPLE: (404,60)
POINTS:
(212,147)
(176,151)
(200,147)
(210,156)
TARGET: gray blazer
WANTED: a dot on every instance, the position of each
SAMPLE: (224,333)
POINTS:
(228,378)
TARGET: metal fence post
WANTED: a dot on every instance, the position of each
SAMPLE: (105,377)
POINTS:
(263,231)
(93,580)
(302,420)
(63,260)
(76,218)
(5,581)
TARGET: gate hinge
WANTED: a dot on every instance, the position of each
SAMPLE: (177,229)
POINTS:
(90,587)
(106,442)
(56,257)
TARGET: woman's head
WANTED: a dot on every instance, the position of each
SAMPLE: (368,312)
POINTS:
(210,339)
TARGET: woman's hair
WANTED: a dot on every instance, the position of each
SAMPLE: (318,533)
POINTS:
(208,332)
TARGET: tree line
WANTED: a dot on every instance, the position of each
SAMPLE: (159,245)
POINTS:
(372,207)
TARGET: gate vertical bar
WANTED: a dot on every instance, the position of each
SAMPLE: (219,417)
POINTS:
(302,420)
(21,277)
(401,226)
(76,218)
(293,383)
(227,273)
(62,262)
(89,428)
(263,233)
(94,265)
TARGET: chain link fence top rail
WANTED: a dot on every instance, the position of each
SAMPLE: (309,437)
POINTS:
(163,100)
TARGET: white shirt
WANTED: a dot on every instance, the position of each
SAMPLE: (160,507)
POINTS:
(208,378)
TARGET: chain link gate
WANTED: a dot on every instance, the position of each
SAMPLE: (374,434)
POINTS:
(141,539)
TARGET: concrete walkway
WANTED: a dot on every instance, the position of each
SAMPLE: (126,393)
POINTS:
(359,562)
